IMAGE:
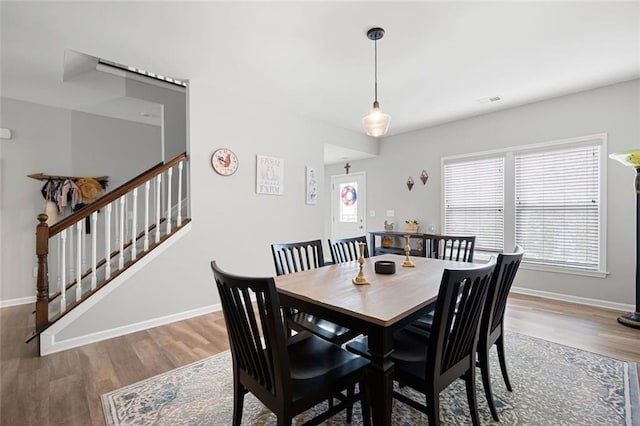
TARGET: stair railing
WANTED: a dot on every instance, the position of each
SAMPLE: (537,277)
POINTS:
(122,227)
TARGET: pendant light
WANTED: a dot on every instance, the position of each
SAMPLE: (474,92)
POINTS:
(376,124)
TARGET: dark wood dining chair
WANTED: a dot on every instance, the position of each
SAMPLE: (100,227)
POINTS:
(289,375)
(300,256)
(449,247)
(347,249)
(429,362)
(492,324)
(294,257)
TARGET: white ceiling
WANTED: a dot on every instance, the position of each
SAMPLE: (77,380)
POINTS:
(435,62)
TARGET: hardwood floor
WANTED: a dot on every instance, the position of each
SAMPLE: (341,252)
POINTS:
(65,388)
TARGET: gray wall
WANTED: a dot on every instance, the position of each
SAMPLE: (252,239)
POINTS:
(103,146)
(58,142)
(41,143)
(614,110)
(231,223)
(174,101)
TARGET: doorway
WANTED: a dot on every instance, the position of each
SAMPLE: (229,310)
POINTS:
(348,205)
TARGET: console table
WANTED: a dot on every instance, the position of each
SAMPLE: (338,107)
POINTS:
(421,247)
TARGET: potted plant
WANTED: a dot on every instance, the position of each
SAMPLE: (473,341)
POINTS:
(412,225)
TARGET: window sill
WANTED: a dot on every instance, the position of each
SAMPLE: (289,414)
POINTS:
(568,271)
(482,257)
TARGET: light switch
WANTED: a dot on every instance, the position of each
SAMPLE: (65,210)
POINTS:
(391,213)
(372,213)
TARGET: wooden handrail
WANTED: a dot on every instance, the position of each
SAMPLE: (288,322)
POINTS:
(114,195)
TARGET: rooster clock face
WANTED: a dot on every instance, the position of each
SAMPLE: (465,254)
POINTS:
(224,161)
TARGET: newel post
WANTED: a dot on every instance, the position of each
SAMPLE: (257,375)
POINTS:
(42,281)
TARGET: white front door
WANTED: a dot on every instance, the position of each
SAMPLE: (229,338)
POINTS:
(348,205)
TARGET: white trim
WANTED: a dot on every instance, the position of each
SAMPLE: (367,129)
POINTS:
(623,307)
(564,270)
(53,346)
(579,140)
(484,256)
(48,343)
(18,301)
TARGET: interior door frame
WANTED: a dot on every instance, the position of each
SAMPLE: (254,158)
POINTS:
(364,207)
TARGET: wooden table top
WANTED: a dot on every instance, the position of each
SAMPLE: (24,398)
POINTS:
(386,300)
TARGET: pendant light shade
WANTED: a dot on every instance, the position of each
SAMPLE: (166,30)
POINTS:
(376,123)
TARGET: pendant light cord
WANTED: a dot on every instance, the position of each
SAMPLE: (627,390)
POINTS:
(376,69)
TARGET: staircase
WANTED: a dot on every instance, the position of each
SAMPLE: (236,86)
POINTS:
(92,248)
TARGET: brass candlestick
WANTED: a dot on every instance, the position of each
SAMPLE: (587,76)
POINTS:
(408,263)
(361,279)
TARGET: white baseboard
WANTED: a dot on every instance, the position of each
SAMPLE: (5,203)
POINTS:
(52,345)
(19,301)
(623,307)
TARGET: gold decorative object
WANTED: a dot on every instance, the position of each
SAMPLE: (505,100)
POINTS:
(408,263)
(361,279)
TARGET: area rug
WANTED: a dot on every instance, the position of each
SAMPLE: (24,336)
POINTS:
(552,385)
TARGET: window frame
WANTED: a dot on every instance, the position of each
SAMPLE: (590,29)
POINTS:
(510,202)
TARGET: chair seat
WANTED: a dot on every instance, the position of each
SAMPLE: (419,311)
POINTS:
(425,322)
(313,362)
(302,321)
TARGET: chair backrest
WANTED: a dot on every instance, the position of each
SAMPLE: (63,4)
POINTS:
(448,247)
(256,332)
(506,268)
(294,257)
(347,249)
(456,319)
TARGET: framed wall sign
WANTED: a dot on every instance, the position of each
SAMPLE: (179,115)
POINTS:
(312,186)
(269,175)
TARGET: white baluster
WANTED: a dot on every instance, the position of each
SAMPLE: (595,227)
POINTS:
(84,246)
(63,271)
(169,173)
(94,249)
(134,224)
(79,261)
(116,232)
(180,193)
(158,184)
(122,223)
(147,185)
(59,253)
(72,264)
(107,241)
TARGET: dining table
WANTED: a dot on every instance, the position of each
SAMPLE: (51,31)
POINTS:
(378,309)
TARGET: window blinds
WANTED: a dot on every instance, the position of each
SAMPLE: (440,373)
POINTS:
(557,196)
(474,201)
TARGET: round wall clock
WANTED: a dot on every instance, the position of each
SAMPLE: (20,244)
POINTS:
(224,161)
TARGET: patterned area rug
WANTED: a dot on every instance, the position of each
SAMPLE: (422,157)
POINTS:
(553,385)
